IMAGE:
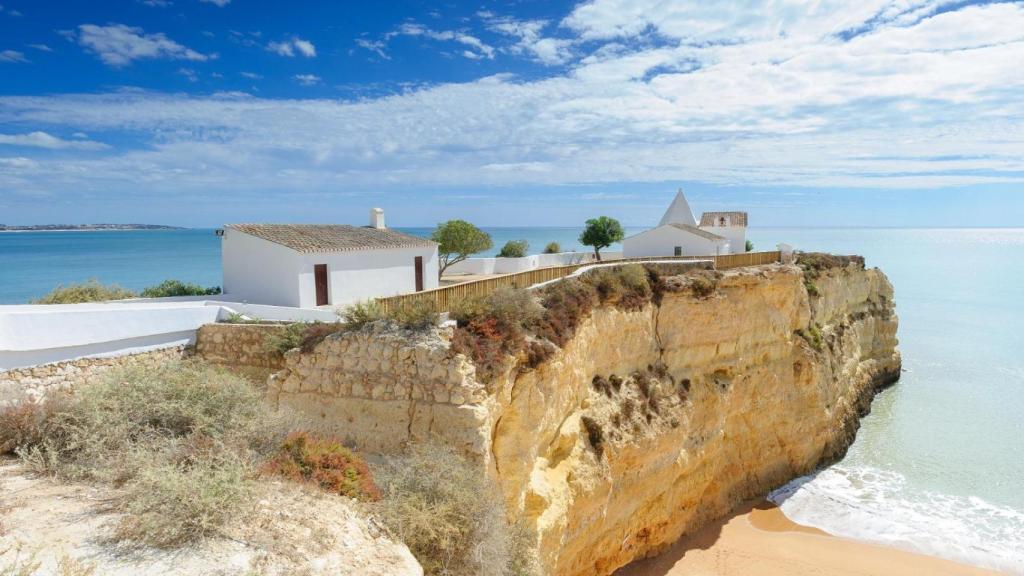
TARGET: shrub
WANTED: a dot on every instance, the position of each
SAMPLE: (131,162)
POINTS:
(514,249)
(814,263)
(362,313)
(418,314)
(22,425)
(302,335)
(168,503)
(813,336)
(552,248)
(594,435)
(493,327)
(291,336)
(749,246)
(178,288)
(182,439)
(703,284)
(565,304)
(88,291)
(450,515)
(325,462)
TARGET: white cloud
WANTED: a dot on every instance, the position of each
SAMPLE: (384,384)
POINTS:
(251,75)
(478,49)
(892,95)
(375,46)
(12,56)
(44,140)
(119,45)
(218,3)
(307,79)
(290,47)
(548,51)
(156,3)
(41,47)
(189,74)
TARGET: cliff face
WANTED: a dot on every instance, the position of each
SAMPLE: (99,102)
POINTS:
(647,423)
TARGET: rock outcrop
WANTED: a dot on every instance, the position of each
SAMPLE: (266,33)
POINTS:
(647,423)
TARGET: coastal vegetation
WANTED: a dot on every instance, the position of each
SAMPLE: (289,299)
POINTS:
(552,248)
(451,516)
(93,291)
(749,246)
(514,322)
(182,445)
(458,240)
(600,233)
(178,288)
(88,291)
(514,249)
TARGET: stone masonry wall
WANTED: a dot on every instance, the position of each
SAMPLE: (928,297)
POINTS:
(241,348)
(33,383)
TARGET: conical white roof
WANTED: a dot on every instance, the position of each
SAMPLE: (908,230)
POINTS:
(679,212)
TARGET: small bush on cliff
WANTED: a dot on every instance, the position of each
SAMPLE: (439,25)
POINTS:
(419,314)
(451,516)
(813,336)
(302,335)
(566,304)
(169,288)
(182,441)
(814,263)
(88,291)
(360,314)
(22,425)
(325,462)
(494,327)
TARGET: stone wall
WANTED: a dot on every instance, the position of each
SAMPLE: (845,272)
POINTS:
(33,383)
(241,348)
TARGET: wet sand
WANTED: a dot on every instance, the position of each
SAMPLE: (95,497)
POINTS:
(759,540)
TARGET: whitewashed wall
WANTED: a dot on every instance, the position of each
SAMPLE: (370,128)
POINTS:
(31,335)
(661,241)
(259,271)
(496,265)
(355,276)
(736,235)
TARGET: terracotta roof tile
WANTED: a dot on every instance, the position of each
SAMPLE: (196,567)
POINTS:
(711,218)
(331,237)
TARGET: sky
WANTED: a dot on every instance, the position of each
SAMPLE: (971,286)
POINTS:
(205,112)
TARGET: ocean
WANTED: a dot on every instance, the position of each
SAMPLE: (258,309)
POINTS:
(938,465)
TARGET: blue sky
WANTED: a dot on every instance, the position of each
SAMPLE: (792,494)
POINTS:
(201,112)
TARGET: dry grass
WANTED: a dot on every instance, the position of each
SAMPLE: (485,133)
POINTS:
(451,517)
(182,441)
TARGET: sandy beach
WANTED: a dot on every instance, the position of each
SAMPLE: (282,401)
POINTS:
(759,539)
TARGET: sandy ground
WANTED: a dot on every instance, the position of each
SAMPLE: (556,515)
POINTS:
(291,530)
(760,540)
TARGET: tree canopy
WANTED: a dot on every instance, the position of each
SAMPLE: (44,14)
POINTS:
(457,240)
(601,232)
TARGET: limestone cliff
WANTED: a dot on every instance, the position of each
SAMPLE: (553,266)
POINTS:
(647,423)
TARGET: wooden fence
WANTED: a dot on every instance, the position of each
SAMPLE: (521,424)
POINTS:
(445,296)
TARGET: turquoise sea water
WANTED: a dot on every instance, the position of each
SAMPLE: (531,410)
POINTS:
(938,466)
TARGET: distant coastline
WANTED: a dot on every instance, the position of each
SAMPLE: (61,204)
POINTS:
(84,227)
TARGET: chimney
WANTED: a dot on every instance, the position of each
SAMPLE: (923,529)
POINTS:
(377,218)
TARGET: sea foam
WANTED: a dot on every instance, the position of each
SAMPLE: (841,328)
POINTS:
(878,506)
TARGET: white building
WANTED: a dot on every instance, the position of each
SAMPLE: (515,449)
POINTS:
(309,265)
(678,234)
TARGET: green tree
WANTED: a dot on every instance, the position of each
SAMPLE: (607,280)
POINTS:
(514,249)
(750,246)
(601,232)
(457,240)
(552,248)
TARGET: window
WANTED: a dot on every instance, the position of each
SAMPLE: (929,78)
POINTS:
(679,251)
